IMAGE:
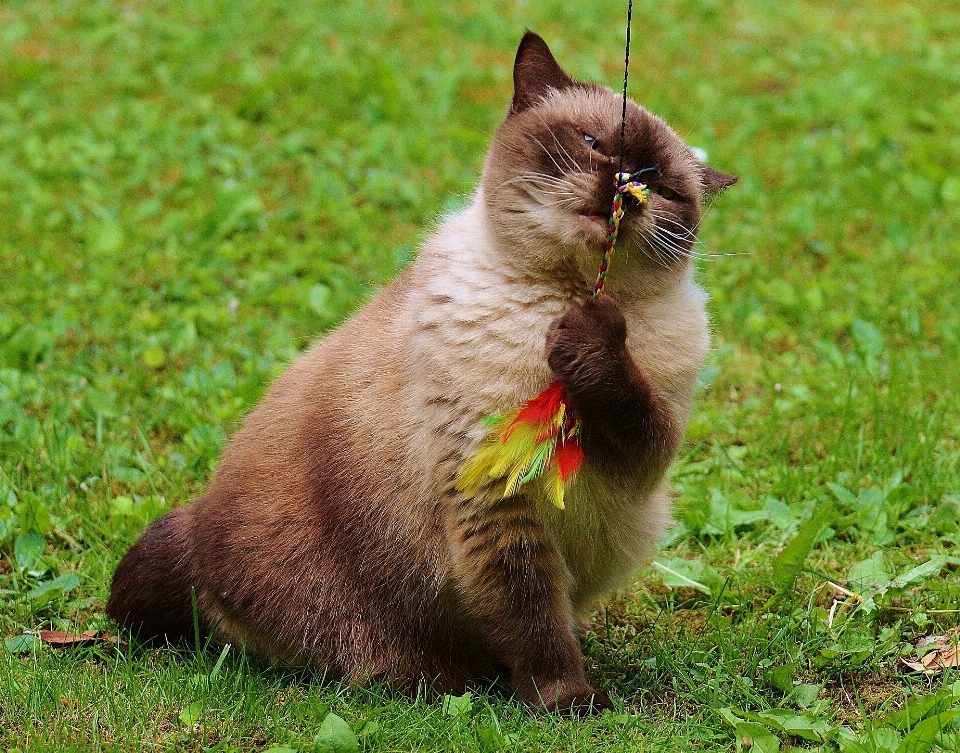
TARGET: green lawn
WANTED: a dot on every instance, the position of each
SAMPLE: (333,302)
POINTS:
(190,193)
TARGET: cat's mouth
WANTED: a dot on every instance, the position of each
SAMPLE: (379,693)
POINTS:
(595,223)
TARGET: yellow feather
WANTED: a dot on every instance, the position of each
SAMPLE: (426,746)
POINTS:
(557,487)
(520,469)
(560,418)
(520,445)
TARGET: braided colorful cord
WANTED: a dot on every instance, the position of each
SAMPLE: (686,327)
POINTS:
(541,439)
(640,192)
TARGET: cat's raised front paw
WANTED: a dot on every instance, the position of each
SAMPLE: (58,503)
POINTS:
(589,330)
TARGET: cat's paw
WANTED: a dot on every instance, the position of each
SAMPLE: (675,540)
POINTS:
(588,331)
(575,698)
(583,704)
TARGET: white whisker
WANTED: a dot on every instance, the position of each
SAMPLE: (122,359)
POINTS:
(574,165)
(547,152)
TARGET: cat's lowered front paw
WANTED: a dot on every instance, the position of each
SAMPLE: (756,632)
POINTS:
(584,336)
(583,704)
(575,698)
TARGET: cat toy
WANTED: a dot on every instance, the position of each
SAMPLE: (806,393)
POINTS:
(541,439)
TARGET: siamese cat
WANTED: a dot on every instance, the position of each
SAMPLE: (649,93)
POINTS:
(333,534)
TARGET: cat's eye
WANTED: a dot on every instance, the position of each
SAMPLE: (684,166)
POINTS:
(592,143)
(667,193)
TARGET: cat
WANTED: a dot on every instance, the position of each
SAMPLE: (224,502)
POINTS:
(333,534)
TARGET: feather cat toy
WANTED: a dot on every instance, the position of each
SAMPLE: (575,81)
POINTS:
(542,438)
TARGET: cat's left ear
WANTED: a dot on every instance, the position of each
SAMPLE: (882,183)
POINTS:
(535,73)
(713,181)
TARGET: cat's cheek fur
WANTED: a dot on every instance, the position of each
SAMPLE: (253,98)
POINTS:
(332,534)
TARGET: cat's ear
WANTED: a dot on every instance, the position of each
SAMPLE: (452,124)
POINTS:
(714,181)
(535,72)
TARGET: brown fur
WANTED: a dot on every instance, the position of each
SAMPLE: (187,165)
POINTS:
(332,534)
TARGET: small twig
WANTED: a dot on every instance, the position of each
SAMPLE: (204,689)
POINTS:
(928,611)
(75,546)
(851,595)
(845,591)
(833,609)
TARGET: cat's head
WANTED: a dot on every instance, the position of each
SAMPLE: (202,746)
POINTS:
(549,180)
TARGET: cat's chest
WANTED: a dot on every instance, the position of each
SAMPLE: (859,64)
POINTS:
(485,344)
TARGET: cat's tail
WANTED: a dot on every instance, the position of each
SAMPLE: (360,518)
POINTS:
(150,594)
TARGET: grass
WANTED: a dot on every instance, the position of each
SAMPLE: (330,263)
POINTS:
(192,192)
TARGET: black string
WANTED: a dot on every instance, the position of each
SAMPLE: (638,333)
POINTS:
(626,70)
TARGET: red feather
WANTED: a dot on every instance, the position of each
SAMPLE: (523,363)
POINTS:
(544,407)
(568,456)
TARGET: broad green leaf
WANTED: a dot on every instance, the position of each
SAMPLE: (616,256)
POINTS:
(192,713)
(280,749)
(708,375)
(806,694)
(876,740)
(872,515)
(922,737)
(34,514)
(792,723)
(843,494)
(21,644)
(28,548)
(782,720)
(779,513)
(781,677)
(950,191)
(335,736)
(615,721)
(680,573)
(885,739)
(492,739)
(919,574)
(857,640)
(869,572)
(369,727)
(154,357)
(725,515)
(457,705)
(319,299)
(787,565)
(51,589)
(121,506)
(918,709)
(867,336)
(752,738)
(729,716)
(949,741)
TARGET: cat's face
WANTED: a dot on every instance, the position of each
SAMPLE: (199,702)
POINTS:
(549,179)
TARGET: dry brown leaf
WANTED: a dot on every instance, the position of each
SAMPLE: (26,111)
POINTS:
(60,638)
(943,655)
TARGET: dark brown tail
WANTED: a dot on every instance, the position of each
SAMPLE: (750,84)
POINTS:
(150,594)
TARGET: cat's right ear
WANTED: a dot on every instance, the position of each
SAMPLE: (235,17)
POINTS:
(715,182)
(535,73)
